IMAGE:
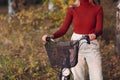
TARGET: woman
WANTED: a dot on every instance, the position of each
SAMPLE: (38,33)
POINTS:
(87,19)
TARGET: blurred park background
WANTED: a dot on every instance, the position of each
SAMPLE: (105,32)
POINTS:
(22,52)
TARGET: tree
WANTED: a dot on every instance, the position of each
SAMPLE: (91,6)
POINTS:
(50,5)
(11,10)
(117,30)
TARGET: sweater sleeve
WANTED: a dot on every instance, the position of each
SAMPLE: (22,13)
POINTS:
(99,22)
(67,21)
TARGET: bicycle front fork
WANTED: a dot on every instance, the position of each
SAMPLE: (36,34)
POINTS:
(64,74)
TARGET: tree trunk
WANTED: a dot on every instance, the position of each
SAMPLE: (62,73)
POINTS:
(117,30)
(11,10)
(50,5)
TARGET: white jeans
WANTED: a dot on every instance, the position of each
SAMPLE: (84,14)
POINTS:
(91,54)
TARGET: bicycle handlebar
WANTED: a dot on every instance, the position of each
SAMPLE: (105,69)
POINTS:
(86,37)
(48,39)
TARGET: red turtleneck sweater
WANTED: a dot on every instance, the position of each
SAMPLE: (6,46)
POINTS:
(86,19)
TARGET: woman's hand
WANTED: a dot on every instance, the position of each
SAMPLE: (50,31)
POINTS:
(92,36)
(44,37)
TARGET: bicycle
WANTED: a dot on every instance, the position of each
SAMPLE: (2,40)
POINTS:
(64,54)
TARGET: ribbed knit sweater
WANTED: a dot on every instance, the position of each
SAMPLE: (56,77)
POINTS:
(86,19)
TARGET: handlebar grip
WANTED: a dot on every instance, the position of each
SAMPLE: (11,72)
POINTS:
(48,38)
(87,38)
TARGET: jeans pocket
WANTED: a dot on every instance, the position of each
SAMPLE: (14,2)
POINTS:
(94,45)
